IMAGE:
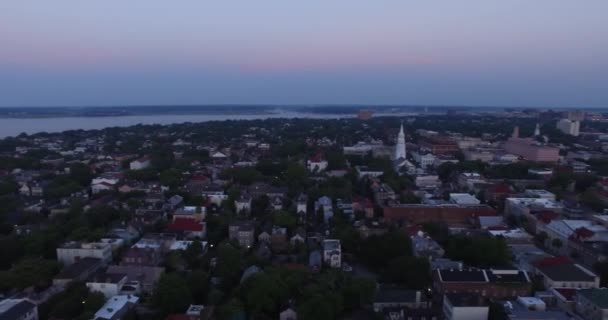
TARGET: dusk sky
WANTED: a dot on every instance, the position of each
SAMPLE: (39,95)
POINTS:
(549,53)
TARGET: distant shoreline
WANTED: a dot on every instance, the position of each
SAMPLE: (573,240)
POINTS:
(118,111)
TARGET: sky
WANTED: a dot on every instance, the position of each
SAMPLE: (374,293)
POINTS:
(540,53)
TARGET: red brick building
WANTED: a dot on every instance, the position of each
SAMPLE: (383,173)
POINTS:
(452,214)
(490,283)
(439,145)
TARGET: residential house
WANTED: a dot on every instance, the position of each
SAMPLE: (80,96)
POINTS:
(72,252)
(108,284)
(316,163)
(332,253)
(140,164)
(243,233)
(288,314)
(302,205)
(116,307)
(78,271)
(243,203)
(18,309)
(146,276)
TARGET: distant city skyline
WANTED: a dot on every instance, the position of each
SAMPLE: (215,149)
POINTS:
(470,53)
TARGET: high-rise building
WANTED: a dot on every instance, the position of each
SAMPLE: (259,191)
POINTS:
(400,147)
(567,126)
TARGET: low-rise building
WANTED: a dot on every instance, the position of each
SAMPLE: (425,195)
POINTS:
(71,252)
(18,309)
(116,307)
(491,283)
(243,233)
(108,284)
(464,306)
(332,253)
(592,304)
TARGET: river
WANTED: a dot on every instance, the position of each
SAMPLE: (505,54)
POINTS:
(15,126)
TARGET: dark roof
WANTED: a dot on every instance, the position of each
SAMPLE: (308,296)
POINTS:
(395,295)
(464,275)
(464,299)
(599,297)
(103,277)
(17,310)
(565,272)
(78,268)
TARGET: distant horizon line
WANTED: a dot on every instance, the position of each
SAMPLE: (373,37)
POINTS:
(275,105)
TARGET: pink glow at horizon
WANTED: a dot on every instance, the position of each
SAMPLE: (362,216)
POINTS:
(540,51)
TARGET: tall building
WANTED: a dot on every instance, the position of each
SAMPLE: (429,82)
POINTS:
(567,126)
(537,130)
(400,147)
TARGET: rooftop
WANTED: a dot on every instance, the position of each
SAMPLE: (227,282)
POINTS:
(599,297)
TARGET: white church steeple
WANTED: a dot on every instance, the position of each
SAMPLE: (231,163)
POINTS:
(400,147)
(537,130)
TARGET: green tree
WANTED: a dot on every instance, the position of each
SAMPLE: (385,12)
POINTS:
(263,293)
(417,275)
(358,292)
(172,294)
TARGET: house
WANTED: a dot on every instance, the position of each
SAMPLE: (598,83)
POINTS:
(138,256)
(560,272)
(72,252)
(332,253)
(25,190)
(278,239)
(277,204)
(243,233)
(425,246)
(116,307)
(397,298)
(101,187)
(196,213)
(463,198)
(78,271)
(382,193)
(364,171)
(108,284)
(243,203)
(592,304)
(464,306)
(288,314)
(315,260)
(370,228)
(264,237)
(214,193)
(325,205)
(140,164)
(146,276)
(316,163)
(190,228)
(302,205)
(299,236)
(18,309)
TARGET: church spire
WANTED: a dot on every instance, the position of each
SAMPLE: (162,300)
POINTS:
(537,130)
(400,147)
